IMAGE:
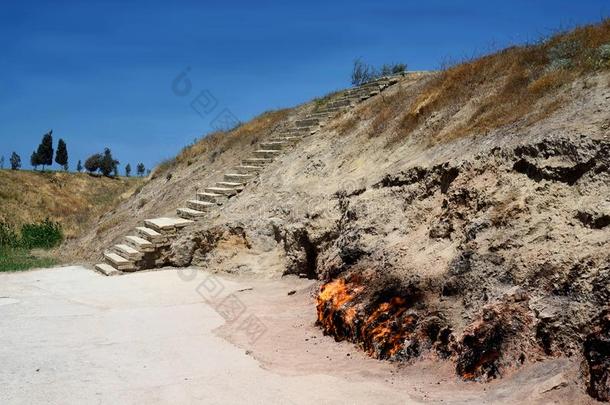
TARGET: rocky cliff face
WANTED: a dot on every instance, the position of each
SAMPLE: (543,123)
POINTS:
(490,250)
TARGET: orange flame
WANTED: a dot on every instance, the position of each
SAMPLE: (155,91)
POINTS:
(381,334)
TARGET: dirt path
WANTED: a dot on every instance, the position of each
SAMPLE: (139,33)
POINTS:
(70,335)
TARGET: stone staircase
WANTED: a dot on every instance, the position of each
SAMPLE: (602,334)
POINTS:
(144,248)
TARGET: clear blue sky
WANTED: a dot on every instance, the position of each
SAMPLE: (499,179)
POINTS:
(100,73)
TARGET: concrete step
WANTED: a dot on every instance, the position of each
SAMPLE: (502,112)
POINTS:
(214,198)
(154,237)
(167,226)
(318,116)
(119,262)
(139,244)
(239,177)
(227,191)
(201,205)
(248,169)
(266,153)
(275,145)
(340,103)
(307,123)
(331,111)
(127,252)
(189,213)
(107,269)
(256,161)
(230,184)
(290,140)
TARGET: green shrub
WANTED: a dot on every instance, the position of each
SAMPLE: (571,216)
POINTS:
(604,52)
(561,55)
(45,235)
(8,236)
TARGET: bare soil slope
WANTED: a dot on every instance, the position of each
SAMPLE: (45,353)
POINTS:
(462,216)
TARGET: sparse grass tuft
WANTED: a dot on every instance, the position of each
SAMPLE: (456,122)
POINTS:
(518,83)
(216,143)
(18,259)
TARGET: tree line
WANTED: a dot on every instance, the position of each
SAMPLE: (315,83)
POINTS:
(103,163)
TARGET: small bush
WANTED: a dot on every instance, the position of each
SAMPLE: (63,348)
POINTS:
(46,234)
(363,73)
(604,52)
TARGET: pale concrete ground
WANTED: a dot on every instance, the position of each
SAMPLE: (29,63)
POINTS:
(71,336)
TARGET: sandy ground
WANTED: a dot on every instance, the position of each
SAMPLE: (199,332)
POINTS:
(71,336)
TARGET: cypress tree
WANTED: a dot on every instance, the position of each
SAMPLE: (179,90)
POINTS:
(34,160)
(61,156)
(128,170)
(45,150)
(140,169)
(108,164)
(15,161)
(79,166)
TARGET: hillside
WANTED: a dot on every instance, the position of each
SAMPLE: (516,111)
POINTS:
(75,200)
(461,215)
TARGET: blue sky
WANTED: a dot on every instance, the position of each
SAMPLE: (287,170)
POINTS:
(100,73)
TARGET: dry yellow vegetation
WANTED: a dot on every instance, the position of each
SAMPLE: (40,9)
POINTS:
(521,83)
(75,200)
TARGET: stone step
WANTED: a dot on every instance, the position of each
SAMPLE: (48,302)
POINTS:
(318,116)
(340,103)
(107,269)
(214,198)
(230,184)
(201,205)
(248,169)
(166,225)
(294,129)
(127,252)
(257,161)
(331,110)
(290,140)
(266,153)
(307,123)
(139,244)
(189,213)
(275,145)
(239,177)
(221,190)
(374,93)
(154,237)
(119,262)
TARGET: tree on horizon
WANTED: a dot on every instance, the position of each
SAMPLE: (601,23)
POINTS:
(34,160)
(140,169)
(79,166)
(2,162)
(108,164)
(61,156)
(128,170)
(45,150)
(92,164)
(15,161)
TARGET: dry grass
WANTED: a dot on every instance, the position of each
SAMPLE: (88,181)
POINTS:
(518,83)
(216,143)
(74,200)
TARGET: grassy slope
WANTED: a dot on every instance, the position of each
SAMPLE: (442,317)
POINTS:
(519,84)
(72,199)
